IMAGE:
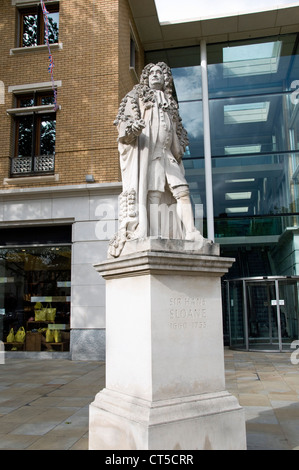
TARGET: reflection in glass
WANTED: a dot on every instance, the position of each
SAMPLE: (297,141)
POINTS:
(25,134)
(29,30)
(47,136)
(25,102)
(263,313)
(187,82)
(33,30)
(251,67)
(28,274)
(254,124)
(191,114)
(53,27)
(47,99)
(251,59)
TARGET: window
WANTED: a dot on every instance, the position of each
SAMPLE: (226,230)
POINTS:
(35,134)
(132,53)
(32,27)
(35,273)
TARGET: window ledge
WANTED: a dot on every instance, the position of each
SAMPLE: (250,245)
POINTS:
(41,48)
(32,109)
(31,179)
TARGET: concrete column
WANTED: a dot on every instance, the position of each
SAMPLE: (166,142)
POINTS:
(207,141)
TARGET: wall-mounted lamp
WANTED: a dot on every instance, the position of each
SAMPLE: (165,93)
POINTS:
(89,179)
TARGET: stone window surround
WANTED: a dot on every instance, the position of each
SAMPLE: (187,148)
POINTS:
(39,48)
(31,88)
(26,3)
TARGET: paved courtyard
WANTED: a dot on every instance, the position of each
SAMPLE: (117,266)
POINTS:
(44,403)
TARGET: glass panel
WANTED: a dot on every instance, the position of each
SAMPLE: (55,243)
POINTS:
(237,330)
(53,27)
(47,135)
(249,188)
(252,66)
(25,132)
(25,101)
(175,58)
(191,114)
(262,316)
(48,99)
(29,29)
(289,314)
(264,330)
(31,278)
(187,82)
(250,125)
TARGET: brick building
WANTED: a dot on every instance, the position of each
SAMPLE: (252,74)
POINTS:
(59,171)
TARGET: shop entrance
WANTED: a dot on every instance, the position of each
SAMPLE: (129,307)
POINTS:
(263,312)
(35,289)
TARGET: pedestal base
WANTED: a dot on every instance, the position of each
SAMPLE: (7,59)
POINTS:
(165,381)
(211,421)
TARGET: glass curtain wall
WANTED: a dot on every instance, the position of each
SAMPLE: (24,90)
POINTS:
(254,135)
(253,102)
(253,94)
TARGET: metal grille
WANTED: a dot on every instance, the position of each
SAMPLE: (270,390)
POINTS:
(44,163)
(29,165)
(21,165)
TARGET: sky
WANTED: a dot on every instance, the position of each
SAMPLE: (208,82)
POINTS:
(178,10)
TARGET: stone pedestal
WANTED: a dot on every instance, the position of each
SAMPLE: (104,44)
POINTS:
(165,380)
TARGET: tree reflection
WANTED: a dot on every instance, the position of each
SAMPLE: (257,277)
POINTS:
(25,136)
(47,136)
(31,27)
(29,30)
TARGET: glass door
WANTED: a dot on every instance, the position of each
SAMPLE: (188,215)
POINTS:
(263,313)
(237,326)
(288,311)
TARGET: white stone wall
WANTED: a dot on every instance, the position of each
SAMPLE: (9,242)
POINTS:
(92,211)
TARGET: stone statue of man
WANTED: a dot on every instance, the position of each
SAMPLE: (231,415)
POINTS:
(151,143)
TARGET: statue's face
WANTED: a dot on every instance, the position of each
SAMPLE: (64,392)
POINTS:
(156,78)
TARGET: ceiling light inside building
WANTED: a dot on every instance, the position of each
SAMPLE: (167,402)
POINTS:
(237,196)
(246,113)
(241,180)
(234,210)
(237,149)
(251,59)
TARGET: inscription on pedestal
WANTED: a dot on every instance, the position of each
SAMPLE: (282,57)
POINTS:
(187,312)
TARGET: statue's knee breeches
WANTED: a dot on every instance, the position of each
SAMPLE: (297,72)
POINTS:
(181,191)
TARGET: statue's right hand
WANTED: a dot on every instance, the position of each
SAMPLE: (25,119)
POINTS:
(138,126)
